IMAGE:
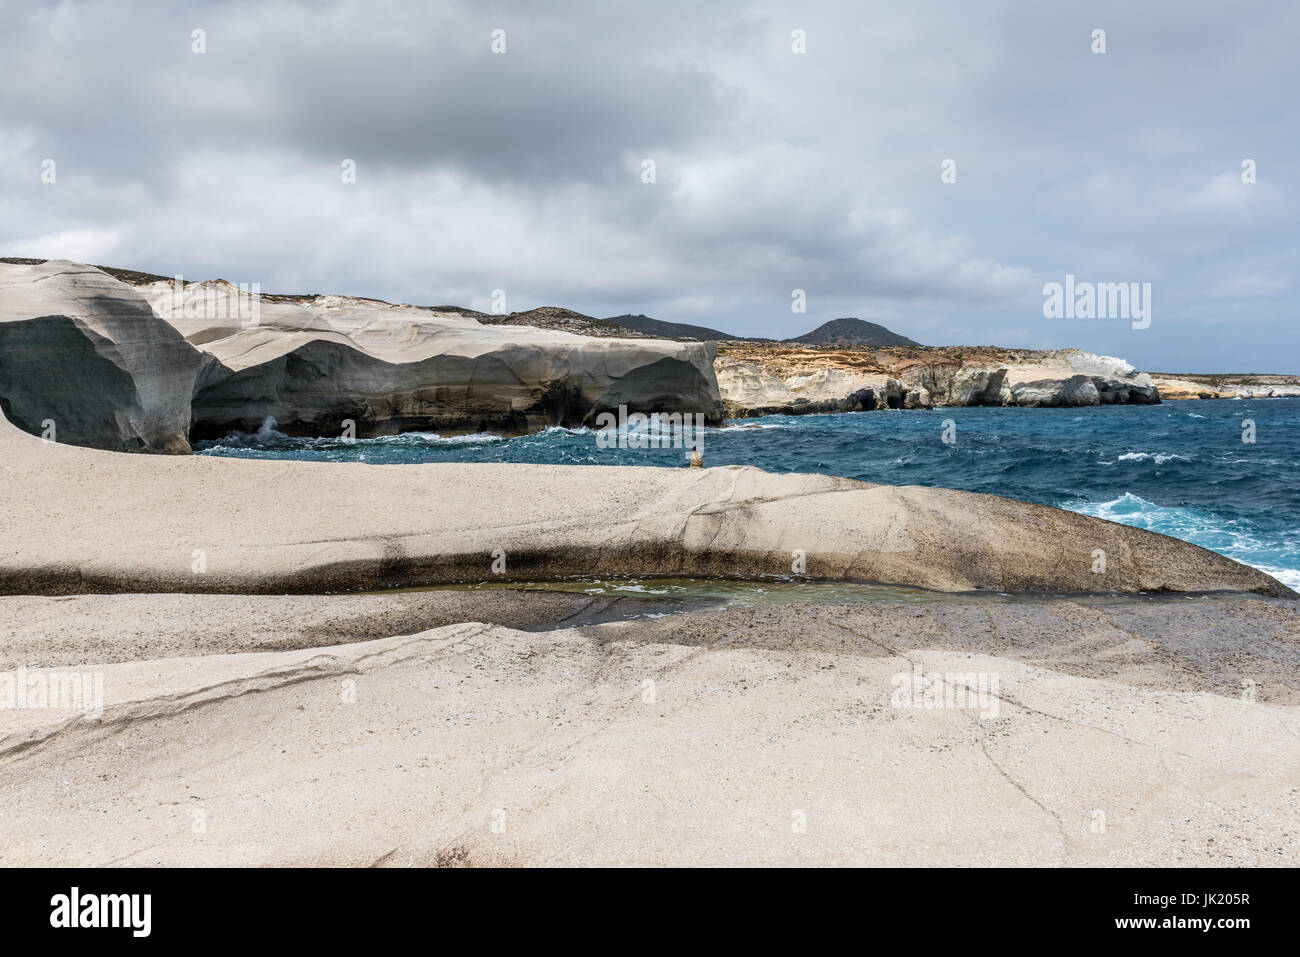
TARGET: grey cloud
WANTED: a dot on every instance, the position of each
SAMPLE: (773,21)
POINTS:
(775,170)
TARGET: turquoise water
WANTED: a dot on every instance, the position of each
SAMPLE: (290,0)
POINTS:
(1180,468)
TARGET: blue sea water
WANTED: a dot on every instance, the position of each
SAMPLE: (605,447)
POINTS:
(1180,468)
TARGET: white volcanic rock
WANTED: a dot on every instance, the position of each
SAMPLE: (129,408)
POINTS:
(750,389)
(86,353)
(979,386)
(746,385)
(142,368)
(756,714)
(917,399)
(310,364)
(277,527)
(1228,386)
(1091,364)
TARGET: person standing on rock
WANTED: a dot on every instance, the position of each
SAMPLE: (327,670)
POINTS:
(697,460)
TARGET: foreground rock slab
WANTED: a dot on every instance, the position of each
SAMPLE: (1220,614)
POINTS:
(81,520)
(473,744)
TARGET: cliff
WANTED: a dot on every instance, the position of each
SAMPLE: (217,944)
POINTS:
(1247,386)
(781,378)
(144,366)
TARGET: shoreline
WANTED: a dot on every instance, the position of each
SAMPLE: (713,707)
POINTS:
(461,726)
(211,524)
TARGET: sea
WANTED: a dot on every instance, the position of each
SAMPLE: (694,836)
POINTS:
(1223,474)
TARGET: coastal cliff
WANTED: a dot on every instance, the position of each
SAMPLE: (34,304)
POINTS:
(762,379)
(89,359)
(130,361)
(1247,386)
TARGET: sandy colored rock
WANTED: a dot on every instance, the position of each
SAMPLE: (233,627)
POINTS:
(470,745)
(51,631)
(759,379)
(84,520)
(86,353)
(1227,386)
(312,363)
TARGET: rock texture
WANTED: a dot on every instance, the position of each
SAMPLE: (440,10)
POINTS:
(759,380)
(83,520)
(312,365)
(1226,386)
(144,366)
(772,737)
(85,359)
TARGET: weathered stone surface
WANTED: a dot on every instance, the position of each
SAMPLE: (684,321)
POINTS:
(759,380)
(144,368)
(980,387)
(1227,386)
(86,354)
(761,717)
(314,363)
(268,526)
(917,399)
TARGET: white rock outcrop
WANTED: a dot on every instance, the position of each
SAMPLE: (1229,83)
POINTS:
(146,367)
(314,363)
(84,360)
(791,381)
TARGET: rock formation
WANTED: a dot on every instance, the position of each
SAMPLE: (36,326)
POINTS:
(314,364)
(764,379)
(146,367)
(275,526)
(1192,386)
(85,361)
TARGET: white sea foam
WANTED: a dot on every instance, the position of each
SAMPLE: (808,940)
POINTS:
(1160,458)
(1236,539)
(753,425)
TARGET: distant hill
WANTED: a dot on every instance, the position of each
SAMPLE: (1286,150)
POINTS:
(671,330)
(566,320)
(853,332)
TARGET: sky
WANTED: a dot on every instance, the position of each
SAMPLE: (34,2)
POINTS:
(928,166)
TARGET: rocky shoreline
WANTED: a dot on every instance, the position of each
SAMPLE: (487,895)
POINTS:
(764,379)
(126,361)
(475,727)
(250,648)
(148,365)
(243,525)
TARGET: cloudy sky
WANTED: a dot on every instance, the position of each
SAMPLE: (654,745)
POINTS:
(775,170)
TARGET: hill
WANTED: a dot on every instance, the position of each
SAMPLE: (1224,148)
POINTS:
(675,330)
(565,320)
(853,332)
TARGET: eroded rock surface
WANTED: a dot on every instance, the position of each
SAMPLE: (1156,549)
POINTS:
(84,360)
(764,379)
(145,523)
(471,744)
(145,367)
